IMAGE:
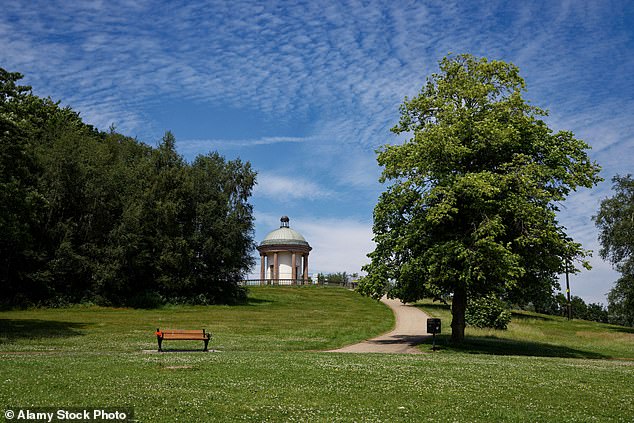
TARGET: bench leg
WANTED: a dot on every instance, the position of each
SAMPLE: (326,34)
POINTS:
(206,343)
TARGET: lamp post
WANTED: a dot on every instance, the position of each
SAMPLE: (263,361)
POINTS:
(568,253)
(568,292)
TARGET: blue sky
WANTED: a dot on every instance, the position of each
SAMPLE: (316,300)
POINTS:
(307,91)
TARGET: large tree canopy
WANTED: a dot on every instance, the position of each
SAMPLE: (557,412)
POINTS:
(615,221)
(470,209)
(100,217)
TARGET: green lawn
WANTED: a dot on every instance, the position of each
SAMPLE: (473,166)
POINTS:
(275,319)
(268,374)
(534,334)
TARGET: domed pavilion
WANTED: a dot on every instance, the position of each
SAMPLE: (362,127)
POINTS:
(284,256)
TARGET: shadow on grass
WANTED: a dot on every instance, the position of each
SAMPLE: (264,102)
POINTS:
(503,346)
(434,306)
(13,329)
(183,350)
(410,340)
(257,301)
(623,329)
(521,316)
(498,346)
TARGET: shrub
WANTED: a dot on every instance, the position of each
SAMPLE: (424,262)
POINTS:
(488,312)
(146,300)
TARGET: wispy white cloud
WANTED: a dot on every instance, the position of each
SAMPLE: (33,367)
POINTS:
(338,244)
(283,189)
(191,147)
(342,66)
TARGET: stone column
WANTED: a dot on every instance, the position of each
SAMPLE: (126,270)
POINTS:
(276,267)
(305,267)
(294,268)
(262,267)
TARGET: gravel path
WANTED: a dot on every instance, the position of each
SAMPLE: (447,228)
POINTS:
(410,330)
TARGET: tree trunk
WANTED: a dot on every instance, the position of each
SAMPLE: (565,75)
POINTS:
(458,309)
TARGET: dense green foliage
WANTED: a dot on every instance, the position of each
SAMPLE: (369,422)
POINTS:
(621,301)
(89,216)
(473,195)
(340,278)
(580,310)
(615,221)
(557,305)
(265,369)
(484,312)
(488,312)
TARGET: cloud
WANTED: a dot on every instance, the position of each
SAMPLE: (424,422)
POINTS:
(339,245)
(269,60)
(191,147)
(592,285)
(284,188)
(343,67)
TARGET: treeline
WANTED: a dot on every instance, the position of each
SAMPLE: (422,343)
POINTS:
(99,217)
(340,278)
(557,305)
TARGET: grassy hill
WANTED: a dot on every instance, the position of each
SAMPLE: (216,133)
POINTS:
(268,369)
(274,319)
(535,334)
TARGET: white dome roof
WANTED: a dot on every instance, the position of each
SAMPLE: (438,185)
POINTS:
(284,236)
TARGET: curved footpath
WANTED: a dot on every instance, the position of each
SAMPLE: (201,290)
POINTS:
(410,330)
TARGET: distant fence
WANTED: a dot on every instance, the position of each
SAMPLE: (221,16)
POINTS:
(295,282)
(271,282)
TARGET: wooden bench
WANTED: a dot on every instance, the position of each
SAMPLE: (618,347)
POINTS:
(182,335)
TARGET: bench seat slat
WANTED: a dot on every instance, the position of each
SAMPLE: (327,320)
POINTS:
(199,333)
(183,335)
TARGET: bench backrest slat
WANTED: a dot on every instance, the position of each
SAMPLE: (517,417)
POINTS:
(183,334)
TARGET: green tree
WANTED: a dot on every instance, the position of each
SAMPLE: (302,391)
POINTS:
(117,183)
(615,221)
(621,301)
(488,312)
(472,201)
(97,216)
(222,237)
(19,199)
(26,123)
(597,313)
(187,229)
(578,307)
(341,278)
